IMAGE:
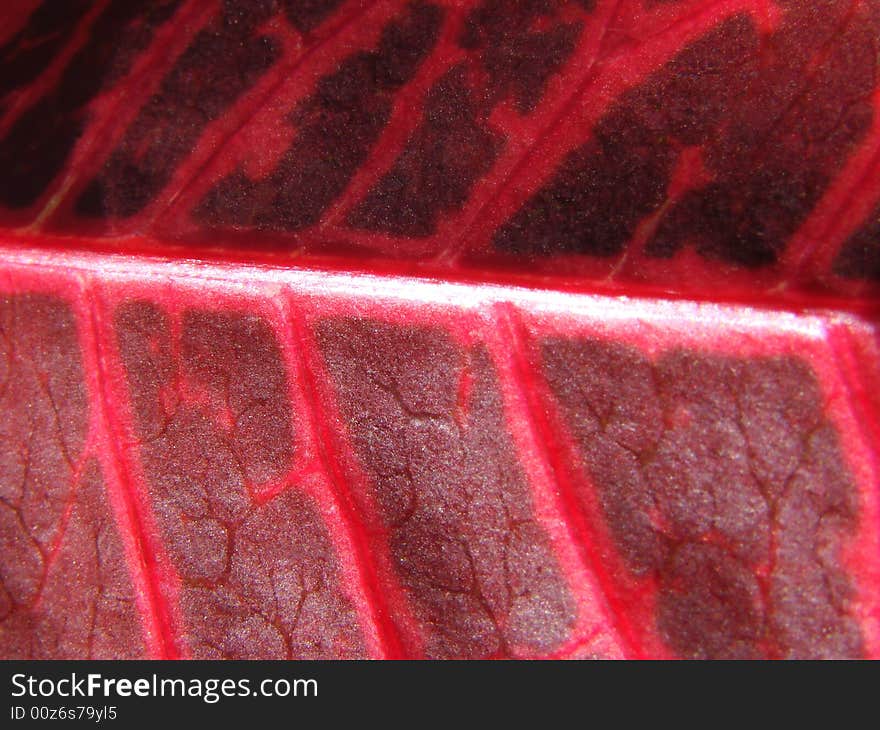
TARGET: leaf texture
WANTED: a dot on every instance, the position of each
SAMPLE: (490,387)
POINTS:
(449,329)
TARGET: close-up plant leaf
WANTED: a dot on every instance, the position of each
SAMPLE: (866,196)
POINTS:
(473,329)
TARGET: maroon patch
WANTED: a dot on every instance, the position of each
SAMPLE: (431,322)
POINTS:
(426,421)
(722,480)
(214,426)
(337,126)
(520,44)
(222,63)
(860,256)
(30,51)
(34,151)
(434,175)
(455,145)
(65,592)
(772,116)
(307,14)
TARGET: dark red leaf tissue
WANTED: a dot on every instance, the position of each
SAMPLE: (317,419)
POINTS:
(439,329)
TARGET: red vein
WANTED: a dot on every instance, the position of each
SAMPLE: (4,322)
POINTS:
(106,127)
(301,350)
(588,78)
(844,216)
(32,93)
(526,381)
(54,551)
(284,72)
(160,612)
(402,123)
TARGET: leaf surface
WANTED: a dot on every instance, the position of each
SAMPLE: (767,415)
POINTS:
(440,329)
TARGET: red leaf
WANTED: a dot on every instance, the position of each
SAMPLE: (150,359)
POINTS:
(449,329)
